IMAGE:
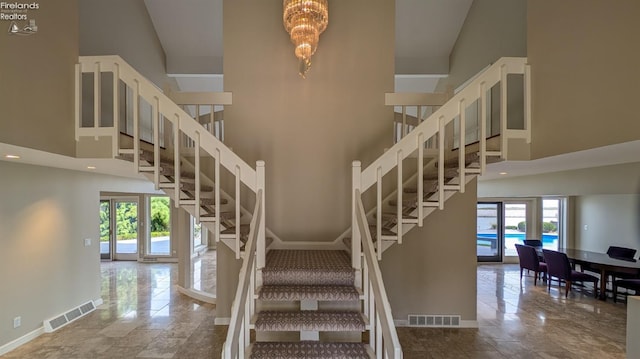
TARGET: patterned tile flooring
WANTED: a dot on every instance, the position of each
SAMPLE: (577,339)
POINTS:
(145,317)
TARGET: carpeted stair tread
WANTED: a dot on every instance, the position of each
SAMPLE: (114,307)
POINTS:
(308,267)
(449,173)
(429,186)
(385,231)
(309,350)
(469,158)
(310,320)
(308,292)
(244,229)
(211,201)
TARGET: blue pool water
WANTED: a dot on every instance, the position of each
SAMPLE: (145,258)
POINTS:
(546,237)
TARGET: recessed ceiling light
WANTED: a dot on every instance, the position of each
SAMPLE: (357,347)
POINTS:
(91,167)
(13,157)
(503,173)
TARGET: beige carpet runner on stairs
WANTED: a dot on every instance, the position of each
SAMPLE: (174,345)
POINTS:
(294,275)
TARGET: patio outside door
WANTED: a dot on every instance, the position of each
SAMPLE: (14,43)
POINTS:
(126,229)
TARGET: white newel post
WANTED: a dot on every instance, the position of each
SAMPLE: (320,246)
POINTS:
(356,239)
(261,245)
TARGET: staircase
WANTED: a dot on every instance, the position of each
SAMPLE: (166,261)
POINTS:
(180,155)
(314,287)
(302,303)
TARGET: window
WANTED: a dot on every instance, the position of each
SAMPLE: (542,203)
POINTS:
(551,222)
(159,225)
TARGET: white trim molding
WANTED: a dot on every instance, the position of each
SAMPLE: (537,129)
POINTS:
(21,341)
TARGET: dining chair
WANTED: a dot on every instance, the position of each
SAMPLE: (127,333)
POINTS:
(529,260)
(558,266)
(621,252)
(532,242)
(633,284)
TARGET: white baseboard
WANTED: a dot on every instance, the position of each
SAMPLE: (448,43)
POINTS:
(222,321)
(469,324)
(197,295)
(98,302)
(4,349)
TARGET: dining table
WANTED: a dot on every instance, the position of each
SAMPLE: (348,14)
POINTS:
(603,263)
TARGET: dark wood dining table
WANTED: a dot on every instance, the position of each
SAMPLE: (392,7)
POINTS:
(602,262)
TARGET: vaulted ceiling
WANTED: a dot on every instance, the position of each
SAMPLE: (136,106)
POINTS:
(190,32)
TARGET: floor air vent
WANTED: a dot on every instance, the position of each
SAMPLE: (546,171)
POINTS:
(423,320)
(64,319)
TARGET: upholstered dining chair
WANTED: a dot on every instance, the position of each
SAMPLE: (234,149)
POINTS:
(532,242)
(625,283)
(621,252)
(558,266)
(529,260)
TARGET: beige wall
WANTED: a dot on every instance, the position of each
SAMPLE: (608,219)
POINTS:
(124,28)
(584,56)
(309,131)
(609,220)
(492,29)
(45,215)
(37,80)
(420,276)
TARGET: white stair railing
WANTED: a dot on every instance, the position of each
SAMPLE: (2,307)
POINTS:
(170,125)
(433,130)
(383,337)
(243,308)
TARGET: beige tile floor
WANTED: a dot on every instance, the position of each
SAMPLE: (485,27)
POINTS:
(144,317)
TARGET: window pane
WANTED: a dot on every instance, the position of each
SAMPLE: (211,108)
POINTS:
(550,223)
(160,226)
(515,225)
(197,233)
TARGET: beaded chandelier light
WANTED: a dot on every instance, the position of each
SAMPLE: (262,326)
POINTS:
(305,20)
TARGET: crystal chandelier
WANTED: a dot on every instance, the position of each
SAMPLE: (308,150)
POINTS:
(305,20)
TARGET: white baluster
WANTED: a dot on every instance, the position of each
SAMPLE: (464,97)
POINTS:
(379,211)
(356,236)
(237,247)
(399,197)
(420,166)
(462,151)
(441,149)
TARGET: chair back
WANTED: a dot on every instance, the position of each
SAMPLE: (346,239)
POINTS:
(621,252)
(557,264)
(533,242)
(528,257)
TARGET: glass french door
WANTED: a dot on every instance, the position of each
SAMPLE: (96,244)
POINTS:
(489,229)
(125,237)
(105,229)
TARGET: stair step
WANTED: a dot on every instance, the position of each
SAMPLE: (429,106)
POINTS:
(392,218)
(449,173)
(386,231)
(308,267)
(244,230)
(310,320)
(187,186)
(308,292)
(309,350)
(429,186)
(469,158)
(209,202)
(224,216)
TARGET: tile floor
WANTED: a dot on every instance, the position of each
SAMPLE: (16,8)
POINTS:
(144,317)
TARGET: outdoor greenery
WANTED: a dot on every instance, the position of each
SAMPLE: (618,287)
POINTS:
(127,219)
(548,227)
(522,226)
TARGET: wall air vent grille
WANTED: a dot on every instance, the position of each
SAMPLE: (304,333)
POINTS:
(88,307)
(59,321)
(425,320)
(73,314)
